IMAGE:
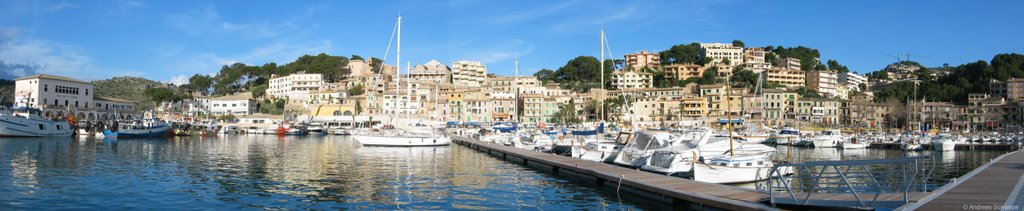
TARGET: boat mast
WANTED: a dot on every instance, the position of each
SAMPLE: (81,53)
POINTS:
(398,64)
(515,99)
(600,108)
(408,91)
(728,111)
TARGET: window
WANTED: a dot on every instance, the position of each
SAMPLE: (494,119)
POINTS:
(46,88)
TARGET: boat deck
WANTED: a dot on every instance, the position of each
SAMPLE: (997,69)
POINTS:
(678,191)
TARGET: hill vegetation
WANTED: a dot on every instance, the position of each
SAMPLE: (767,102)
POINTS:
(967,78)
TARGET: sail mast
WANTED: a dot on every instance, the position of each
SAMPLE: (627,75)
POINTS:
(398,64)
(515,99)
(601,107)
(728,111)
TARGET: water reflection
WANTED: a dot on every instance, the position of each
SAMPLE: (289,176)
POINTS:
(269,172)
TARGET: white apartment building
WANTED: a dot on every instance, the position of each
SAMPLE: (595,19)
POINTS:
(54,95)
(631,80)
(719,52)
(824,82)
(294,87)
(789,63)
(238,104)
(641,59)
(852,81)
(432,71)
(469,73)
(753,60)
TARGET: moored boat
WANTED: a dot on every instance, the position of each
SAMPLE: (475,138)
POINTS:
(26,122)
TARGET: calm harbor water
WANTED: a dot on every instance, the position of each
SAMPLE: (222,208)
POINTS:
(267,172)
(317,172)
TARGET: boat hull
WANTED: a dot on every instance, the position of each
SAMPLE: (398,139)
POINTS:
(11,126)
(144,133)
(398,141)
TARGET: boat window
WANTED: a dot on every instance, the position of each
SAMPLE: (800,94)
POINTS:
(760,162)
(58,127)
(736,165)
(41,127)
(750,164)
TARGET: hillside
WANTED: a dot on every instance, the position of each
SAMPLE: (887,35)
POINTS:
(128,88)
(6,92)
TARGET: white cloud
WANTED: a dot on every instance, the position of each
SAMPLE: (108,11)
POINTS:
(178,80)
(496,53)
(207,21)
(42,55)
(62,5)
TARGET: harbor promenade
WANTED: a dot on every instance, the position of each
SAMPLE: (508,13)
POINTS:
(676,191)
(994,186)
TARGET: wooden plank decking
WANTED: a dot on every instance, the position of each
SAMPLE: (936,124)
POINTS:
(660,187)
(989,185)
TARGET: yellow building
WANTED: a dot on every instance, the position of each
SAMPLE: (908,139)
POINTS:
(786,77)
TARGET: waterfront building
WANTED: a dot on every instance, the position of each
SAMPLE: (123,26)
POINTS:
(779,105)
(469,73)
(786,77)
(694,107)
(682,71)
(642,59)
(720,52)
(359,68)
(534,108)
(1012,89)
(818,110)
(824,82)
(55,95)
(432,71)
(667,91)
(984,111)
(852,81)
(864,114)
(717,103)
(455,105)
(237,104)
(938,115)
(624,80)
(295,87)
(789,63)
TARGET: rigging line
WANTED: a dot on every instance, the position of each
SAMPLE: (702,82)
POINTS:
(388,50)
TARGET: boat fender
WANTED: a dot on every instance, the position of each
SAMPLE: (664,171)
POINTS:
(435,141)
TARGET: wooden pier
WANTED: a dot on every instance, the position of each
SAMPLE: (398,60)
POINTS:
(959,146)
(993,186)
(676,191)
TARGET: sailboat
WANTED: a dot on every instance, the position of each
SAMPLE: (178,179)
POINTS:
(752,163)
(403,135)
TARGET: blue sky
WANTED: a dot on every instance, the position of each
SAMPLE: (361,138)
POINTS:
(170,40)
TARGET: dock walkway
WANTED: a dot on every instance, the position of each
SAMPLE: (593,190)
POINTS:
(993,186)
(674,190)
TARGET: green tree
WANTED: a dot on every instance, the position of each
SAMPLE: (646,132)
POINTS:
(738,43)
(545,75)
(834,65)
(201,83)
(807,92)
(258,91)
(566,114)
(744,77)
(356,57)
(359,107)
(159,94)
(226,117)
(356,90)
(679,54)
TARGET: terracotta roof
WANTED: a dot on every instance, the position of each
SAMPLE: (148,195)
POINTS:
(51,77)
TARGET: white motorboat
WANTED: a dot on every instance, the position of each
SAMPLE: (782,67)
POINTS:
(253,130)
(678,158)
(726,169)
(26,122)
(638,150)
(786,136)
(403,138)
(228,130)
(853,143)
(315,128)
(603,150)
(944,142)
(827,139)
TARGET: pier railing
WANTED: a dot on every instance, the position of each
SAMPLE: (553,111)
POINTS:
(854,183)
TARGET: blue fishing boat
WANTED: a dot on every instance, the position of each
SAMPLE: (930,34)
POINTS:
(146,128)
